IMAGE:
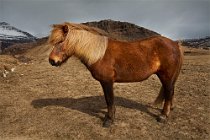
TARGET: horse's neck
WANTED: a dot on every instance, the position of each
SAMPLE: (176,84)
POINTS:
(90,48)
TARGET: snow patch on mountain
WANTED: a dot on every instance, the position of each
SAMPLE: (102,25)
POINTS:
(7,32)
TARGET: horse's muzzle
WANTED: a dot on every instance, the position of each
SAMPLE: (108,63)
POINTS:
(53,63)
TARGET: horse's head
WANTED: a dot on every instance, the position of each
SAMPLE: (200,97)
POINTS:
(61,50)
(87,43)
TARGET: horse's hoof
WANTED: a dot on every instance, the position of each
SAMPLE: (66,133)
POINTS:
(107,122)
(162,118)
(173,108)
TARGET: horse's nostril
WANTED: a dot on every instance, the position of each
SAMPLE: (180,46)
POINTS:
(52,62)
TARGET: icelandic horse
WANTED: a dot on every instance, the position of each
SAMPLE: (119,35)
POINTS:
(111,61)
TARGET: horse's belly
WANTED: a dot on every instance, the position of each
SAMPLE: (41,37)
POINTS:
(135,76)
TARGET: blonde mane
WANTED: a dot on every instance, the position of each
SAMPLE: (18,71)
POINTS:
(88,43)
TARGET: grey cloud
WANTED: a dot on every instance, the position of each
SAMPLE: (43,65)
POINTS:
(172,18)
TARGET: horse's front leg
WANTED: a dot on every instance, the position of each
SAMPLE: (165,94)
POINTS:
(109,96)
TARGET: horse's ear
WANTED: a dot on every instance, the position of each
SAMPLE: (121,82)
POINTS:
(63,27)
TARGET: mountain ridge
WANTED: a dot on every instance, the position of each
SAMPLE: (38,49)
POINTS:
(10,35)
(203,42)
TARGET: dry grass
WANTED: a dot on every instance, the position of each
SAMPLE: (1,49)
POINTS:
(39,101)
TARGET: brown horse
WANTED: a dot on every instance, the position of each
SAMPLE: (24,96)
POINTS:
(112,61)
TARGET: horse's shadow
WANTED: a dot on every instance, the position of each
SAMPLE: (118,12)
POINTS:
(90,105)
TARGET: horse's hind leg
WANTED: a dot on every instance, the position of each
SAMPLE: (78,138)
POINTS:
(166,94)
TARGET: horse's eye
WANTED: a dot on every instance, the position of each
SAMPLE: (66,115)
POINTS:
(59,42)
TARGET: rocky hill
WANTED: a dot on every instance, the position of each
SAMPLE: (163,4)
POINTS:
(197,43)
(122,30)
(10,35)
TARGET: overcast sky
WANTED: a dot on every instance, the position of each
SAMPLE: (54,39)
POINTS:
(172,18)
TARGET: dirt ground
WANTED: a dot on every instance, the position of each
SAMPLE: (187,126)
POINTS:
(39,101)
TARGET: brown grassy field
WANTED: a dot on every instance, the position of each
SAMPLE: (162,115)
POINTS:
(39,101)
